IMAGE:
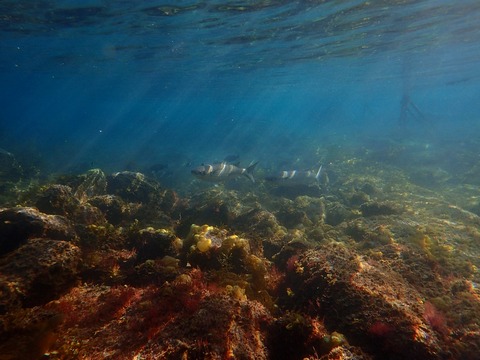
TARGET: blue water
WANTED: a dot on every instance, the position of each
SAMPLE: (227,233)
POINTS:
(126,84)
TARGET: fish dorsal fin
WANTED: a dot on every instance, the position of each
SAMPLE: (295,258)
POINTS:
(317,176)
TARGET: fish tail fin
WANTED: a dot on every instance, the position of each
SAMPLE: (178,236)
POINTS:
(319,173)
(249,171)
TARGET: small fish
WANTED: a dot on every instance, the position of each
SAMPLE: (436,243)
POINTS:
(223,171)
(296,176)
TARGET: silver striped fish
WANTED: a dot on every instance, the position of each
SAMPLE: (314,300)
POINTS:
(223,171)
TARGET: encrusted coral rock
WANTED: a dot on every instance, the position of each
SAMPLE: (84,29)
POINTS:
(21,223)
(37,272)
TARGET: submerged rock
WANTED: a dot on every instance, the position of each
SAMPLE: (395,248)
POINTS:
(181,319)
(303,211)
(60,200)
(112,206)
(93,183)
(367,232)
(214,207)
(368,302)
(57,200)
(336,213)
(37,272)
(132,196)
(262,227)
(132,186)
(370,263)
(155,243)
(430,177)
(374,208)
(209,247)
(17,225)
(28,333)
(229,329)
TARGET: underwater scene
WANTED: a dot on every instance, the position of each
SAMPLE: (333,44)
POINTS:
(258,179)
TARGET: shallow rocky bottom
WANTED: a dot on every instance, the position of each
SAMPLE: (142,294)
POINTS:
(374,264)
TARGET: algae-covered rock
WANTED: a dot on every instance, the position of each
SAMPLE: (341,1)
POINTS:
(229,328)
(21,223)
(181,319)
(289,215)
(303,211)
(37,272)
(374,208)
(212,248)
(299,336)
(367,232)
(57,199)
(366,301)
(216,207)
(166,268)
(264,230)
(295,243)
(337,213)
(429,177)
(211,207)
(92,183)
(60,200)
(292,335)
(313,207)
(132,186)
(344,352)
(291,191)
(230,261)
(155,243)
(113,207)
(28,333)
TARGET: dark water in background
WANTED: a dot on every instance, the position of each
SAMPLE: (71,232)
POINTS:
(128,84)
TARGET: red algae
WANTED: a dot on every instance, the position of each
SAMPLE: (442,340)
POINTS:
(435,318)
(381,329)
